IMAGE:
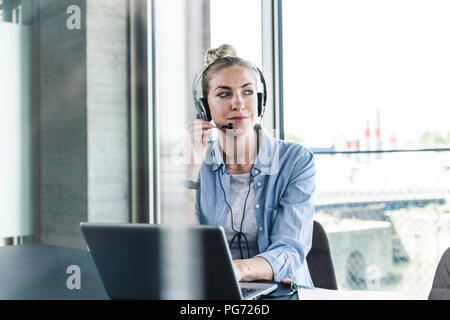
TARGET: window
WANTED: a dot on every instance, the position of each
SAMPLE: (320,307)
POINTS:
(240,28)
(366,88)
(176,25)
(174,55)
(376,73)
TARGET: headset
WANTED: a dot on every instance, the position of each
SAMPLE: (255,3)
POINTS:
(201,103)
(204,113)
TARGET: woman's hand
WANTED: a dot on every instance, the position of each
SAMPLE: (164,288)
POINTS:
(256,268)
(241,269)
(199,132)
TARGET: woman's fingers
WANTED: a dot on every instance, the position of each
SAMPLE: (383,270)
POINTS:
(200,130)
(199,124)
(206,135)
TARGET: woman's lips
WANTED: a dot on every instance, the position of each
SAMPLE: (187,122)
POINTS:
(237,119)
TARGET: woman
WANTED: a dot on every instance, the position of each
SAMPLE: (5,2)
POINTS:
(258,188)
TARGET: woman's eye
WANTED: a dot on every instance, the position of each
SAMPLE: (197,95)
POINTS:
(249,92)
(223,94)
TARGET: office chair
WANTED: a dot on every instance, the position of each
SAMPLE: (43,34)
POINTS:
(319,260)
(440,290)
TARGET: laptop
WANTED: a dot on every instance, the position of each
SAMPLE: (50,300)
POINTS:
(131,261)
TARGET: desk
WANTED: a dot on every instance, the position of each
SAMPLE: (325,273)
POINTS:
(39,272)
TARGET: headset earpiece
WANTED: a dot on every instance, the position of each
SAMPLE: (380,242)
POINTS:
(205,106)
(262,96)
(260,104)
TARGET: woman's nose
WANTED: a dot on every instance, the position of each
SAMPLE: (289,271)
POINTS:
(237,102)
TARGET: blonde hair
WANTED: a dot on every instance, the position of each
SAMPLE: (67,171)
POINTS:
(219,58)
(225,50)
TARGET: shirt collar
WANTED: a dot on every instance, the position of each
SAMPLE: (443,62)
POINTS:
(267,160)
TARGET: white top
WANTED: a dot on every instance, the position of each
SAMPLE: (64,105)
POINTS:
(239,188)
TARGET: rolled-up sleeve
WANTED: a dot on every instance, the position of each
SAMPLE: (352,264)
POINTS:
(291,234)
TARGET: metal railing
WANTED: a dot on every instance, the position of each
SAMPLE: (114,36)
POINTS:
(387,217)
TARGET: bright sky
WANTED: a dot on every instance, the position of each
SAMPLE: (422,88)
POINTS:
(345,59)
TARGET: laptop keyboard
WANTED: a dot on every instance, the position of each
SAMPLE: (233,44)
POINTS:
(246,291)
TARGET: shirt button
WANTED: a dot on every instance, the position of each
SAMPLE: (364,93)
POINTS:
(260,228)
(257,206)
(259,184)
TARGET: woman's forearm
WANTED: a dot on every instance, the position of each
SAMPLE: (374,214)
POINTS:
(256,268)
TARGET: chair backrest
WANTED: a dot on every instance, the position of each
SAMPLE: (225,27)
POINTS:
(440,289)
(319,260)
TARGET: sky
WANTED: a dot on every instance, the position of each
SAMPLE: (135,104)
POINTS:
(344,60)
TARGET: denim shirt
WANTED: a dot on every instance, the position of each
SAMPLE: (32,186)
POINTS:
(283,174)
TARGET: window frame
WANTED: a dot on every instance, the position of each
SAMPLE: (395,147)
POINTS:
(272,57)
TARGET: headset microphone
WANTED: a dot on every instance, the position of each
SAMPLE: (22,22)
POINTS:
(228,126)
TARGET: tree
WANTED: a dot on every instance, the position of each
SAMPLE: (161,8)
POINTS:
(433,139)
(437,138)
(293,138)
(426,139)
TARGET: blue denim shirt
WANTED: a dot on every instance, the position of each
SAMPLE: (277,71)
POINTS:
(283,174)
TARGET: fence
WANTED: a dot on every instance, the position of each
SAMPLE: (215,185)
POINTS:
(387,217)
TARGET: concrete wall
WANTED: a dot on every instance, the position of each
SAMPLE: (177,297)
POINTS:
(63,125)
(83,119)
(107,111)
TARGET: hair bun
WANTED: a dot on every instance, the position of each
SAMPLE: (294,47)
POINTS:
(225,50)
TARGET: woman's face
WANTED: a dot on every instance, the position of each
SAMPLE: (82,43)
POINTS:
(232,98)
